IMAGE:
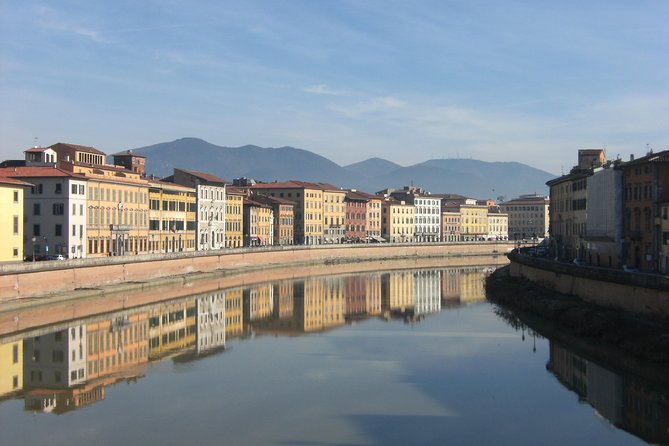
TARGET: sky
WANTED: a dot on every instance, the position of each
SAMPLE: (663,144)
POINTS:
(530,81)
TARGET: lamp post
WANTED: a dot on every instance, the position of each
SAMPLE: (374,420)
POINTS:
(34,239)
(46,246)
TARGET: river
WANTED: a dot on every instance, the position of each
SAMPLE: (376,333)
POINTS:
(398,357)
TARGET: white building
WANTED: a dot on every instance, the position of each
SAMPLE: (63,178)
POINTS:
(55,360)
(210,321)
(427,285)
(211,199)
(427,219)
(55,211)
(604,223)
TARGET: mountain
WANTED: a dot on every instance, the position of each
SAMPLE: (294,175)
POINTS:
(265,164)
(372,167)
(473,178)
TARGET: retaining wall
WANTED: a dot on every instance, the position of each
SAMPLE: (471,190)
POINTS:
(635,292)
(26,280)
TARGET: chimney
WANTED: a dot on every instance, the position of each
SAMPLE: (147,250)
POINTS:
(632,157)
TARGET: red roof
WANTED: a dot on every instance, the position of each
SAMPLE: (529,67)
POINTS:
(7,180)
(36,150)
(204,176)
(37,171)
(292,184)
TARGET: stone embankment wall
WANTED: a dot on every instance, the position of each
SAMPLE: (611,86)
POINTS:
(635,292)
(23,280)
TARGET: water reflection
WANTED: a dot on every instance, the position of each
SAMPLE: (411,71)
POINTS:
(627,402)
(636,403)
(456,357)
(59,369)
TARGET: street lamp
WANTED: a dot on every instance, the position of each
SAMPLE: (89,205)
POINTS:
(46,246)
(34,240)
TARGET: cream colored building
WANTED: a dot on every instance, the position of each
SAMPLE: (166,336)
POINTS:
(398,291)
(334,213)
(397,220)
(234,217)
(11,367)
(258,223)
(11,221)
(473,222)
(172,217)
(234,312)
(117,203)
(498,225)
(528,216)
(308,210)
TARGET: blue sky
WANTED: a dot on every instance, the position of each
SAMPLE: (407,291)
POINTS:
(529,81)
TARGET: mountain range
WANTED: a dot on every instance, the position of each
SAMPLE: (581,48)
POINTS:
(472,178)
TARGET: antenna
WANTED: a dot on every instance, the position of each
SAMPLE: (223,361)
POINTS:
(36,139)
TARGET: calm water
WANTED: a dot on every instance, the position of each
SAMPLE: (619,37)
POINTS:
(395,358)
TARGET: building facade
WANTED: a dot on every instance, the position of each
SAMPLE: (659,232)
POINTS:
(172,217)
(397,221)
(211,206)
(307,199)
(646,189)
(11,222)
(528,216)
(334,213)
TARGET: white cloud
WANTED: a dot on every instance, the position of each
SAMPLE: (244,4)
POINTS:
(54,20)
(324,89)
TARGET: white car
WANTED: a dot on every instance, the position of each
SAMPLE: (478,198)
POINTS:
(57,257)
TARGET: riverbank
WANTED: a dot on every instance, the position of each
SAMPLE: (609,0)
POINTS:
(645,337)
(21,281)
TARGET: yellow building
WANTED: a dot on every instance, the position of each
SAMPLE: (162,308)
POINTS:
(234,312)
(498,226)
(11,222)
(284,299)
(234,217)
(116,344)
(334,213)
(397,221)
(172,327)
(258,223)
(172,217)
(308,211)
(473,222)
(398,291)
(11,367)
(117,202)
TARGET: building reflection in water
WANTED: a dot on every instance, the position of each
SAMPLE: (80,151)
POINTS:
(61,368)
(72,364)
(627,403)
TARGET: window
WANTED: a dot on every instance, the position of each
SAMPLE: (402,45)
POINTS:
(15,224)
(16,196)
(58,230)
(74,189)
(58,209)
(74,229)
(36,230)
(15,354)
(37,209)
(59,188)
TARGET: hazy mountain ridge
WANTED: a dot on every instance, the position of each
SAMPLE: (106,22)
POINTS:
(478,179)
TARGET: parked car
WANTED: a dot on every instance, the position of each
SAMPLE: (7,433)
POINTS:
(630,269)
(35,258)
(57,257)
(579,262)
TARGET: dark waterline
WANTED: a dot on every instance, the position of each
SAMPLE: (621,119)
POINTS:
(403,357)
